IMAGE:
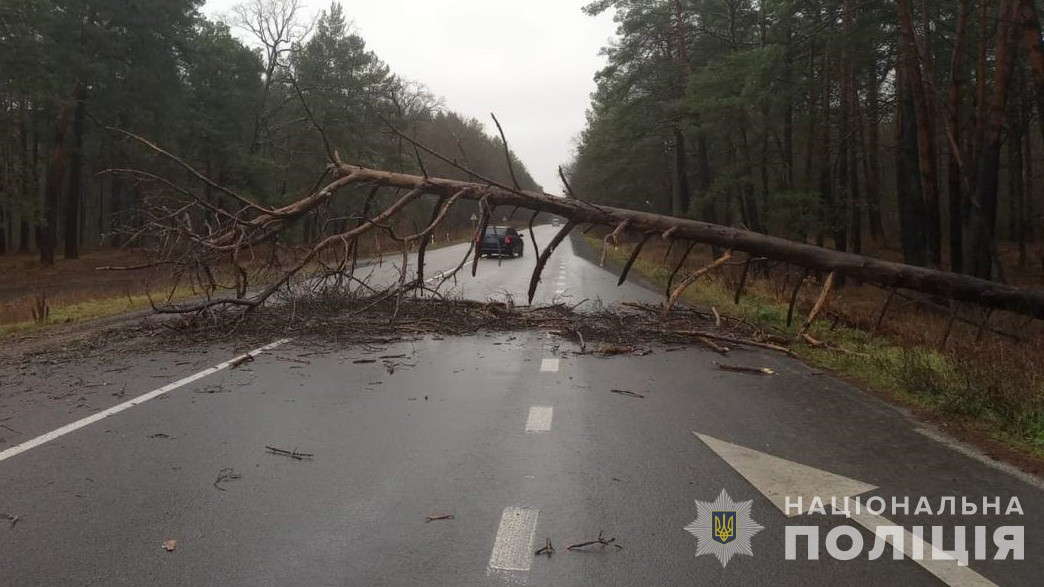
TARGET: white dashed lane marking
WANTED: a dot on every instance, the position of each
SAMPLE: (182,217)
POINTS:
(513,549)
(549,366)
(539,419)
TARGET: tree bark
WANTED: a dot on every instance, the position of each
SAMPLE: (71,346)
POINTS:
(873,176)
(74,197)
(47,233)
(933,282)
(955,177)
(908,181)
(1029,21)
(914,82)
(981,222)
(26,184)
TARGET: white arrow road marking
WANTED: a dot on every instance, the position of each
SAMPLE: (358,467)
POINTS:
(513,549)
(778,478)
(54,434)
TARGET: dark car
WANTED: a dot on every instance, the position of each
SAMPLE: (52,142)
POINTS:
(503,241)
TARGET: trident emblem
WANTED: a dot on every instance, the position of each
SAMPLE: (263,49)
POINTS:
(724,527)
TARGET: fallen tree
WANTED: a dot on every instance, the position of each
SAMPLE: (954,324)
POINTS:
(233,236)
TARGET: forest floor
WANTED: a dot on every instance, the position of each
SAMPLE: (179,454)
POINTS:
(984,386)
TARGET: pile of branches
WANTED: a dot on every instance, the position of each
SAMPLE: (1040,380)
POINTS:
(336,313)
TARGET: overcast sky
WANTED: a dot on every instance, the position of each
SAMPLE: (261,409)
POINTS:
(531,62)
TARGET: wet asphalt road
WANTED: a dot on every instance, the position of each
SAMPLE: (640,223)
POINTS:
(439,425)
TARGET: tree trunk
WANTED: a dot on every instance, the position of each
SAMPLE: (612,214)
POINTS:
(26,187)
(74,197)
(1029,21)
(810,146)
(980,229)
(826,195)
(681,194)
(933,282)
(47,233)
(915,85)
(748,200)
(908,181)
(955,179)
(703,179)
(873,177)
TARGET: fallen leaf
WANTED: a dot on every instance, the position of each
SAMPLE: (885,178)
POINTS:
(170,545)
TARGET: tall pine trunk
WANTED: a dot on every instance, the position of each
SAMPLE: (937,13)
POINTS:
(915,85)
(74,197)
(980,229)
(955,179)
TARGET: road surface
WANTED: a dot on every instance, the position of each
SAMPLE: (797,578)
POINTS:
(107,458)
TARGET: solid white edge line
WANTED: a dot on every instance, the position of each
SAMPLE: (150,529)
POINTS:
(74,426)
(981,457)
(549,365)
(540,419)
(513,548)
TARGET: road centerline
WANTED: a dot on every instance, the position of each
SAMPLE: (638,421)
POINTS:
(512,550)
(539,419)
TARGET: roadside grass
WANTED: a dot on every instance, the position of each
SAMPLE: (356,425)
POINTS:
(89,309)
(984,385)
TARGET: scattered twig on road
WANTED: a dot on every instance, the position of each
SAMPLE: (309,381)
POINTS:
(753,370)
(363,361)
(159,435)
(290,453)
(436,517)
(9,517)
(213,389)
(240,360)
(11,429)
(625,392)
(227,474)
(600,541)
(548,549)
(721,350)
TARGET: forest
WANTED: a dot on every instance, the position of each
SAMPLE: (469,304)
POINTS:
(914,127)
(239,101)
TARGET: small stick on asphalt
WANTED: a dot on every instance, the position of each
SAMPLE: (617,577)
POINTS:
(240,360)
(226,474)
(738,369)
(721,350)
(548,549)
(625,392)
(602,541)
(13,519)
(290,453)
(436,517)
